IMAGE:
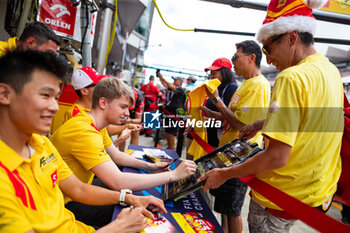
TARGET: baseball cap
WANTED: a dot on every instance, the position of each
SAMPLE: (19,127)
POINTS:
(177,78)
(85,76)
(220,63)
(192,77)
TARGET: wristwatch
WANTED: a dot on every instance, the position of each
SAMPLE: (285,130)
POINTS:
(215,100)
(123,192)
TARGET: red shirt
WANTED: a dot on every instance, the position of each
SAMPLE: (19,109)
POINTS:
(141,106)
(151,91)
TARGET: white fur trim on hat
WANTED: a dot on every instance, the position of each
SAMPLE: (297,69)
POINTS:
(315,4)
(285,24)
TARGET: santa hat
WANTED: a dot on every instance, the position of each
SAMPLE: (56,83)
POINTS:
(289,15)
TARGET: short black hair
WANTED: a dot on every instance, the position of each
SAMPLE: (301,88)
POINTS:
(227,76)
(41,32)
(151,77)
(251,47)
(78,92)
(306,38)
(17,67)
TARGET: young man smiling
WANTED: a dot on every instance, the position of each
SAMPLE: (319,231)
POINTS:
(32,172)
(81,145)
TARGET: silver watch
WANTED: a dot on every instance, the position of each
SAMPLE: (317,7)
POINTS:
(123,192)
(215,100)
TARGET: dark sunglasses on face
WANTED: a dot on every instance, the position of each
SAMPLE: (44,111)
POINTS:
(266,48)
(236,56)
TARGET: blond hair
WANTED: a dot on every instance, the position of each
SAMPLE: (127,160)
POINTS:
(111,88)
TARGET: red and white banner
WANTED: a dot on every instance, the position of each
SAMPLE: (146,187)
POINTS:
(60,15)
(64,18)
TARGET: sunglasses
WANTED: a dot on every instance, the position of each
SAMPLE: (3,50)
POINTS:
(266,48)
(236,56)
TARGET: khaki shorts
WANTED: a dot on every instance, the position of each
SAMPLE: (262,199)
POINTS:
(261,221)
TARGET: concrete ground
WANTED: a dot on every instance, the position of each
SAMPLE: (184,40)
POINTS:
(299,227)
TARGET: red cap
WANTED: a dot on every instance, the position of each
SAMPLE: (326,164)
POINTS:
(104,76)
(85,76)
(220,63)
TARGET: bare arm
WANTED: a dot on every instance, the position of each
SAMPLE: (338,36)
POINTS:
(226,113)
(128,221)
(165,83)
(110,175)
(251,130)
(274,157)
(212,114)
(117,129)
(88,194)
(122,137)
(124,159)
(229,116)
(94,195)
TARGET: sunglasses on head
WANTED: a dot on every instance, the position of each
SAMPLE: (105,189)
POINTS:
(266,48)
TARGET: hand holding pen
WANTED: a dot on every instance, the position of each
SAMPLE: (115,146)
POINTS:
(170,163)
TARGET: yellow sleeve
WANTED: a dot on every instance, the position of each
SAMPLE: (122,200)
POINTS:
(7,46)
(284,114)
(12,218)
(89,149)
(107,141)
(251,107)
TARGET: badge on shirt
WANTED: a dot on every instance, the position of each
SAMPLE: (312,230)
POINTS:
(274,107)
(246,108)
(54,178)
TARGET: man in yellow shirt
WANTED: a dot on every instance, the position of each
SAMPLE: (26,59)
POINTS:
(81,146)
(84,81)
(248,104)
(36,36)
(304,123)
(32,172)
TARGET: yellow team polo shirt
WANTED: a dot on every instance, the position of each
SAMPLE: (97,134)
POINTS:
(306,113)
(77,110)
(7,46)
(249,103)
(81,146)
(29,191)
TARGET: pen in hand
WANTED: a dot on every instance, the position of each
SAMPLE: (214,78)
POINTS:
(170,163)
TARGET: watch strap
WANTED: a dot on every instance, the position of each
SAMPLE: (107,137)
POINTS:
(215,100)
(123,193)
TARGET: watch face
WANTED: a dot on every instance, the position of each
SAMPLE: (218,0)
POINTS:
(215,100)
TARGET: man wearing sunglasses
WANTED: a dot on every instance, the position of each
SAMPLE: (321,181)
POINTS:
(248,104)
(304,123)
